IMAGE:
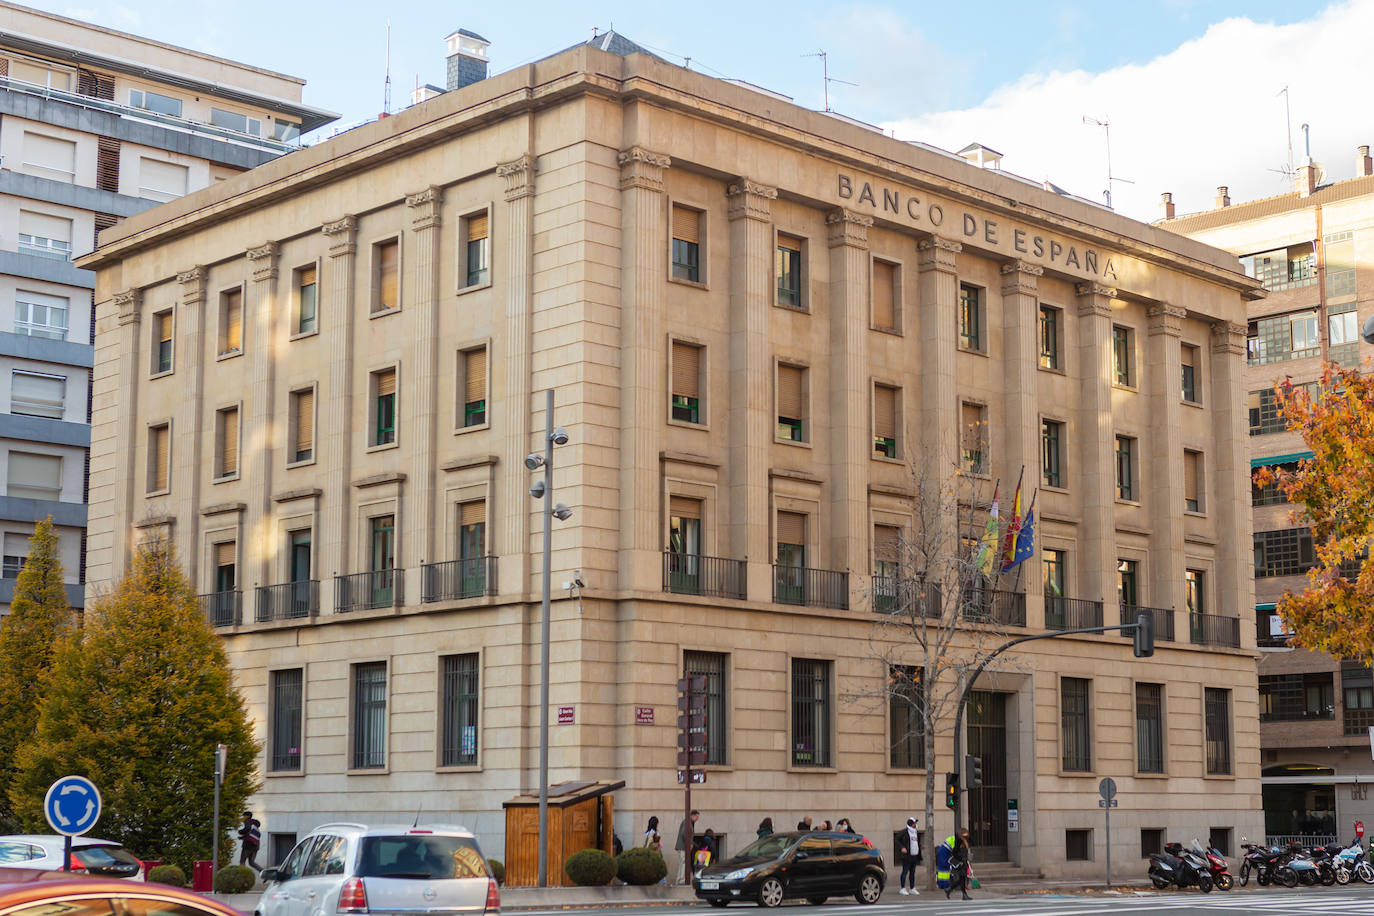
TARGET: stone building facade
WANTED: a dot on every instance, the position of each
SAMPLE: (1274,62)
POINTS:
(759,323)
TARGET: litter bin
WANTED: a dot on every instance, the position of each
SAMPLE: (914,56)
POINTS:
(149,866)
(203,876)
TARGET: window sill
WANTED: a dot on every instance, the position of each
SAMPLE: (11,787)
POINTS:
(228,354)
(382,447)
(1140,775)
(162,374)
(304,462)
(368,771)
(302,335)
(683,424)
(460,768)
(1193,514)
(974,475)
(1050,488)
(1051,370)
(463,291)
(1223,777)
(163,492)
(800,443)
(382,313)
(1194,404)
(904,771)
(278,774)
(1121,387)
(226,478)
(883,459)
(694,284)
(972,350)
(476,427)
(793,768)
(798,309)
(894,332)
(1128,502)
(1077,774)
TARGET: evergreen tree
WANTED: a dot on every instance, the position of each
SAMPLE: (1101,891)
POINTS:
(39,615)
(136,701)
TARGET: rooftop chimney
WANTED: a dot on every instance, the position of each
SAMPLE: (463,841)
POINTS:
(1223,197)
(1364,166)
(1166,204)
(467,59)
(1307,177)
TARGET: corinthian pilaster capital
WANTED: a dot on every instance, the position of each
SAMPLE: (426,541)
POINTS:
(1166,319)
(127,302)
(1021,278)
(845,227)
(192,285)
(1095,299)
(264,261)
(424,207)
(937,253)
(1228,337)
(749,200)
(642,169)
(519,175)
(343,235)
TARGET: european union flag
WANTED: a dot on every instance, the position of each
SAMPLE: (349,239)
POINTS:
(1025,541)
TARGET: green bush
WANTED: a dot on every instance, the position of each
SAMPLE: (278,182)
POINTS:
(167,874)
(590,868)
(498,870)
(235,879)
(640,865)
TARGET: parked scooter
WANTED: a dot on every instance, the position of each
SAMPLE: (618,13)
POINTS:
(1216,865)
(1351,863)
(1179,868)
(1298,869)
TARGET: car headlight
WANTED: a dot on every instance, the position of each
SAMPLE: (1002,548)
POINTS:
(738,874)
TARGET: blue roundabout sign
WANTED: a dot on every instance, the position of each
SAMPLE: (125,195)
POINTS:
(72,805)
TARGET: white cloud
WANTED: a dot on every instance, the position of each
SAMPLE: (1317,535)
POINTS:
(1203,115)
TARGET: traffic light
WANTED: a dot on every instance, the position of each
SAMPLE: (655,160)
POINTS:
(1144,635)
(973,772)
(951,790)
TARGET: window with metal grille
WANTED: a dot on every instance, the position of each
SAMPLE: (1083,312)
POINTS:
(970,317)
(1075,723)
(1050,322)
(788,267)
(1151,841)
(1078,845)
(460,704)
(1357,695)
(286,722)
(906,732)
(1149,728)
(1051,450)
(369,716)
(1219,838)
(810,713)
(1297,697)
(686,247)
(1217,728)
(712,666)
(1123,342)
(1286,552)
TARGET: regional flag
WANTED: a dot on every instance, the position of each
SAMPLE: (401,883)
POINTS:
(987,552)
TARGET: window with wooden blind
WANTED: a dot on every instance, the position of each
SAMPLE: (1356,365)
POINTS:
(307,298)
(791,403)
(107,164)
(886,298)
(225,566)
(386,276)
(472,529)
(159,457)
(474,364)
(227,442)
(791,535)
(477,251)
(1188,359)
(973,432)
(686,249)
(1192,481)
(162,342)
(53,158)
(231,322)
(384,407)
(32,476)
(885,421)
(684,541)
(303,425)
(686,382)
(788,263)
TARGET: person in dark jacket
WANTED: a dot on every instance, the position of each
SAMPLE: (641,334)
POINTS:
(804,824)
(765,827)
(250,837)
(909,852)
(958,864)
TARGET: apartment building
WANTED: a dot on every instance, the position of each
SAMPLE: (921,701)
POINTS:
(1311,249)
(95,125)
(321,382)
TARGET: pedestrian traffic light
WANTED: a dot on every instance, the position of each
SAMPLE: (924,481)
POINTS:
(973,772)
(1144,635)
(951,790)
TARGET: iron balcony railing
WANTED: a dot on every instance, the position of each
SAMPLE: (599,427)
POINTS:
(288,600)
(985,605)
(1071,613)
(811,587)
(369,590)
(1212,630)
(896,594)
(471,577)
(709,577)
(223,609)
(1164,620)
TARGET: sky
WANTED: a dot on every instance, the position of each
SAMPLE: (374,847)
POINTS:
(1193,90)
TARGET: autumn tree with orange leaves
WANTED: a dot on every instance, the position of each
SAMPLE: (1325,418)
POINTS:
(1333,493)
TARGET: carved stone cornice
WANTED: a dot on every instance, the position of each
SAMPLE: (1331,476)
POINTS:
(264,261)
(845,227)
(192,285)
(343,235)
(127,302)
(749,200)
(1228,337)
(1021,278)
(519,175)
(1095,299)
(642,169)
(1166,319)
(424,207)
(937,253)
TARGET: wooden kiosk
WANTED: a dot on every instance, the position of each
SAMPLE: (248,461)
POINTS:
(579,818)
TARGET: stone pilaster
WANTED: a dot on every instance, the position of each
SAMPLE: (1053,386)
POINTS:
(130,430)
(1233,592)
(421,408)
(936,260)
(1020,378)
(750,208)
(1164,452)
(335,439)
(851,431)
(189,445)
(257,427)
(1096,450)
(510,514)
(643,374)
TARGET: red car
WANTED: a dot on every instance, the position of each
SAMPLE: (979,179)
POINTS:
(26,892)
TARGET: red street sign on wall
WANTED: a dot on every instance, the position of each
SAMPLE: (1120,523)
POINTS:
(566,715)
(644,715)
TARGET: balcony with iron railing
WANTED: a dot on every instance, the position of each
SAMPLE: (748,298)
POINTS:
(1163,617)
(902,594)
(366,591)
(223,609)
(471,577)
(288,600)
(1213,630)
(707,577)
(1071,613)
(985,605)
(811,587)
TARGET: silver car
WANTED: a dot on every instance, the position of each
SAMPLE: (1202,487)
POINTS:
(91,856)
(351,868)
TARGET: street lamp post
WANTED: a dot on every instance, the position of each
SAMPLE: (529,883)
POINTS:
(543,489)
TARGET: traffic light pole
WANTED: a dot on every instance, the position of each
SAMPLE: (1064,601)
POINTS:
(1143,627)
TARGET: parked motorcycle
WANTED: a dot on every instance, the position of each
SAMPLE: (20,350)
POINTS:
(1298,868)
(1180,868)
(1261,861)
(1216,865)
(1351,862)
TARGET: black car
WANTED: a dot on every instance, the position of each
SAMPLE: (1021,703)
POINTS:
(814,865)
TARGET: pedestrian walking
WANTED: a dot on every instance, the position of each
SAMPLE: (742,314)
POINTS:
(250,838)
(956,870)
(651,831)
(765,827)
(909,851)
(705,852)
(685,841)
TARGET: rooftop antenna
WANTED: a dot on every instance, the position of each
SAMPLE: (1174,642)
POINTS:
(386,91)
(825,73)
(1287,171)
(1106,126)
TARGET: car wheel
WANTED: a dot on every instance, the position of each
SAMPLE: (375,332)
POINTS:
(720,903)
(870,889)
(815,901)
(770,893)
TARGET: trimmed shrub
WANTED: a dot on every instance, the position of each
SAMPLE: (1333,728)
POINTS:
(167,874)
(590,868)
(640,865)
(498,870)
(235,879)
